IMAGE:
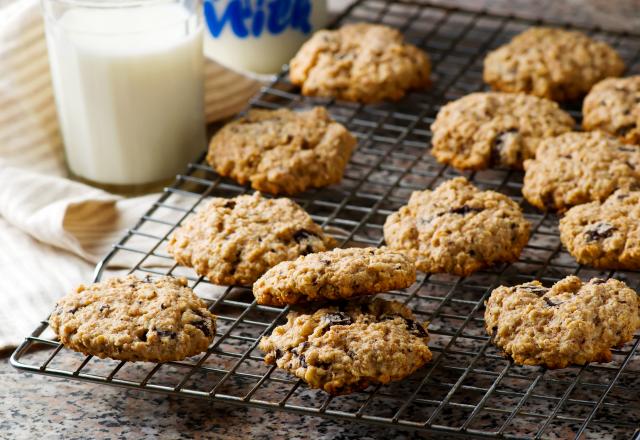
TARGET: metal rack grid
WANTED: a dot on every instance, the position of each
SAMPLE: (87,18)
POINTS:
(469,389)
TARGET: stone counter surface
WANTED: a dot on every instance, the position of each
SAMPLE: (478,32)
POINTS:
(40,407)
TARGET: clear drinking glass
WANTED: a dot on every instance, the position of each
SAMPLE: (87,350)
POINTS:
(129,87)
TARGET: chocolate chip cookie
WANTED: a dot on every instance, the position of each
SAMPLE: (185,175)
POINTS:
(485,129)
(130,319)
(457,228)
(570,323)
(336,274)
(605,235)
(551,63)
(345,348)
(234,241)
(613,106)
(359,62)
(282,151)
(576,168)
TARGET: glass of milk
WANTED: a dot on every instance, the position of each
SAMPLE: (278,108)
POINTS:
(259,36)
(129,88)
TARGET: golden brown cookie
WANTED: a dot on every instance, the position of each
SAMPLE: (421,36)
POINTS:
(605,235)
(134,320)
(234,241)
(336,274)
(282,151)
(484,129)
(359,62)
(457,228)
(570,323)
(613,106)
(579,167)
(551,63)
(345,348)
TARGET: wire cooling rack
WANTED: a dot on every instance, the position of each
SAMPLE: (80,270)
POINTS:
(469,389)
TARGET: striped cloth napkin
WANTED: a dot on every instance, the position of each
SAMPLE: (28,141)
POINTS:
(53,230)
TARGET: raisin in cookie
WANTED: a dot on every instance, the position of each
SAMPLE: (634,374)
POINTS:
(359,62)
(484,129)
(576,168)
(570,323)
(336,274)
(613,106)
(605,235)
(134,320)
(551,63)
(457,228)
(345,348)
(282,151)
(234,241)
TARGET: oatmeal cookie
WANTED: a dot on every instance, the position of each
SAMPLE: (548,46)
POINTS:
(484,129)
(336,274)
(551,63)
(570,323)
(605,235)
(345,348)
(130,319)
(234,241)
(579,167)
(359,62)
(457,228)
(613,106)
(282,151)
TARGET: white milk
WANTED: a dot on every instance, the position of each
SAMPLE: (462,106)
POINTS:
(129,91)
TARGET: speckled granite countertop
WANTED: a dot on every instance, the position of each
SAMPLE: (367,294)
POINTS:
(46,408)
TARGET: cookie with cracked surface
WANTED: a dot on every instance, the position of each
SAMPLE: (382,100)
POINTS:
(333,275)
(605,235)
(345,348)
(570,323)
(359,62)
(579,167)
(613,106)
(551,63)
(130,319)
(484,129)
(234,241)
(457,228)
(282,151)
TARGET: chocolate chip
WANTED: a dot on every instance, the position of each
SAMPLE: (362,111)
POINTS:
(305,145)
(303,361)
(163,306)
(464,209)
(536,290)
(279,353)
(166,334)
(303,234)
(230,204)
(202,326)
(622,131)
(415,328)
(74,310)
(104,307)
(549,302)
(599,231)
(142,335)
(337,318)
(622,196)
